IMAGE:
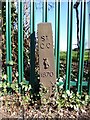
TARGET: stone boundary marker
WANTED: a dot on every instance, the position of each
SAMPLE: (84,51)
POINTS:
(46,55)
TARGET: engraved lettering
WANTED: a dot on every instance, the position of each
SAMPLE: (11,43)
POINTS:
(51,74)
(46,57)
(42,45)
(43,38)
(47,74)
(43,74)
(46,37)
(48,45)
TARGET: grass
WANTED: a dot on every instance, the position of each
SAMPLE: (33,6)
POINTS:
(74,55)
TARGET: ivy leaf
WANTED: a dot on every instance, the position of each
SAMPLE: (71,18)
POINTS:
(86,97)
(29,88)
(8,84)
(4,76)
(17,74)
(11,62)
(0,85)
(26,88)
(68,92)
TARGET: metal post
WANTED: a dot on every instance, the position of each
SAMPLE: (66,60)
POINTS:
(45,11)
(8,40)
(89,73)
(88,47)
(82,45)
(0,40)
(20,41)
(32,16)
(69,45)
(57,37)
(32,81)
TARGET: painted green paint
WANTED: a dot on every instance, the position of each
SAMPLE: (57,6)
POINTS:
(68,83)
(57,38)
(82,44)
(8,40)
(20,41)
(45,11)
(69,45)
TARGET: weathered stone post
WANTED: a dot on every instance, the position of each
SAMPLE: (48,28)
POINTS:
(46,55)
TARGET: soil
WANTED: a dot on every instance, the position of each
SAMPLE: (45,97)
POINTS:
(43,111)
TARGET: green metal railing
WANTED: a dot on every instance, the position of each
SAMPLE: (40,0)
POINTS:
(8,40)
(45,11)
(57,37)
(82,42)
(68,81)
(69,45)
(20,41)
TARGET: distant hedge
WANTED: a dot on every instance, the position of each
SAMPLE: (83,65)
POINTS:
(74,55)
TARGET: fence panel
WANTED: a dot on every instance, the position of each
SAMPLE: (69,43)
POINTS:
(68,82)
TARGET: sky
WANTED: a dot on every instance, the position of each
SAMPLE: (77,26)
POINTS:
(63,24)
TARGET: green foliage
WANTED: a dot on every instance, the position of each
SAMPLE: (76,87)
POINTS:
(86,55)
(13,16)
(63,55)
(66,99)
(71,100)
(13,89)
(74,55)
(60,98)
(14,86)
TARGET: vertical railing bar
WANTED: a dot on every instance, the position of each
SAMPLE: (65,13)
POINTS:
(81,57)
(67,56)
(1,22)
(22,49)
(9,37)
(32,46)
(83,46)
(89,84)
(79,70)
(57,37)
(70,52)
(58,43)
(69,45)
(7,41)
(89,73)
(44,11)
(32,62)
(80,52)
(32,16)
(19,51)
(20,40)
(89,50)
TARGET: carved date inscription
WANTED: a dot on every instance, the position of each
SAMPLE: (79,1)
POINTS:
(47,74)
(46,56)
